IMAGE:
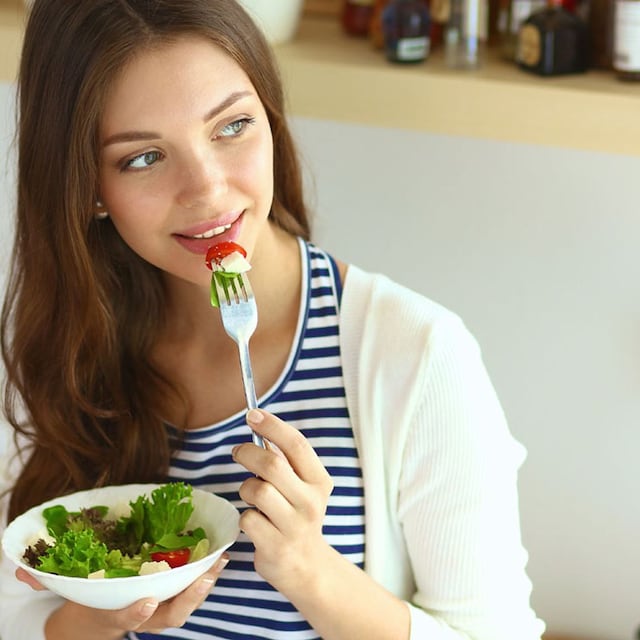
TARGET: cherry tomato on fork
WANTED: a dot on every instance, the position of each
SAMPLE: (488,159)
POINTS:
(221,250)
(175,558)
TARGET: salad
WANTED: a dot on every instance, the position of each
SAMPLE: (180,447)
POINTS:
(151,538)
(226,260)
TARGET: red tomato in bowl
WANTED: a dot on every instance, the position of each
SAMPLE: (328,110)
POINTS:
(175,558)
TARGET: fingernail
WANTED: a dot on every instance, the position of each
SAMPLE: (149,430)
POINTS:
(148,608)
(254,417)
(205,585)
(221,564)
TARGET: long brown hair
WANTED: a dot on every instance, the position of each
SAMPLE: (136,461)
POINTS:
(82,311)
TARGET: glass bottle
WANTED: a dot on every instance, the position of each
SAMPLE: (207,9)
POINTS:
(440,11)
(356,16)
(626,39)
(553,41)
(512,15)
(600,21)
(376,34)
(466,33)
(406,27)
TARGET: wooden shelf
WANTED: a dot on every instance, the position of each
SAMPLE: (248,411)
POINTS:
(11,28)
(332,76)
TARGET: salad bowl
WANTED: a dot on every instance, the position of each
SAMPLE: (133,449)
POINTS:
(217,516)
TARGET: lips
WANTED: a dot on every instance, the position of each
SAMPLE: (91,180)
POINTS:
(199,238)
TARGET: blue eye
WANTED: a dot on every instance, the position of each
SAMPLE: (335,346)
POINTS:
(236,127)
(144,160)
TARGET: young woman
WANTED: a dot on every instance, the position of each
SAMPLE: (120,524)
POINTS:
(387,509)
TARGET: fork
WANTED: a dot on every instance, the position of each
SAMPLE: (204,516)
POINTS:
(240,318)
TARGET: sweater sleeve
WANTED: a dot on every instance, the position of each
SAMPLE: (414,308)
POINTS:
(458,502)
(23,612)
(439,464)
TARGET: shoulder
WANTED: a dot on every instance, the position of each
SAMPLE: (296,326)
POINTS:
(398,343)
(374,306)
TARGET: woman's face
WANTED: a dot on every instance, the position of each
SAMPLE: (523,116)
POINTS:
(186,157)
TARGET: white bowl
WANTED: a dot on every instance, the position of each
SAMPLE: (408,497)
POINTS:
(278,19)
(218,517)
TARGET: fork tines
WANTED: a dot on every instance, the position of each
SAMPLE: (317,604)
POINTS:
(235,289)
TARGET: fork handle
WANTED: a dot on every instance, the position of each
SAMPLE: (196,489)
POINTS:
(249,388)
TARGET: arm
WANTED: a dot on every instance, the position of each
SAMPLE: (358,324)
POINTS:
(458,500)
(455,502)
(28,612)
(439,463)
(290,492)
(23,612)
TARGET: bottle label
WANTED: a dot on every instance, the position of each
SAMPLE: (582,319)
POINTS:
(412,49)
(475,17)
(626,54)
(440,10)
(521,10)
(529,46)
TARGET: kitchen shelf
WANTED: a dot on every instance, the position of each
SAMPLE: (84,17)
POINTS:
(331,76)
(11,27)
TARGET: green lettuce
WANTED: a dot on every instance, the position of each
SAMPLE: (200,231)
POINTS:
(85,541)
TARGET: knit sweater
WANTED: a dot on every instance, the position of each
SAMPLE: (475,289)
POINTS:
(439,467)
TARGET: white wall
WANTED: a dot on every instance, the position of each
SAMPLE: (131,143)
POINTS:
(7,173)
(7,202)
(537,249)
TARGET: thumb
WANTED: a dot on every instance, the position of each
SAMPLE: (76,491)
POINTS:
(137,614)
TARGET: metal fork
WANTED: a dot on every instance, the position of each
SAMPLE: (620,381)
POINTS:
(240,318)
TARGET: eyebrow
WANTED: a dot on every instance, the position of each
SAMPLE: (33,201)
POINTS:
(132,136)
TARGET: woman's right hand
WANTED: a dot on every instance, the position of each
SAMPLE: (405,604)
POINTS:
(73,621)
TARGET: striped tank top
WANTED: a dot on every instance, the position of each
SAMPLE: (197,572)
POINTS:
(310,396)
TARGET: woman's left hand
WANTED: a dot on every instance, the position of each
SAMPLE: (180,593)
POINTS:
(290,492)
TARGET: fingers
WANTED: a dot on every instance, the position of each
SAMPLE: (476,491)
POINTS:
(144,616)
(290,488)
(135,616)
(175,612)
(27,578)
(270,503)
(291,443)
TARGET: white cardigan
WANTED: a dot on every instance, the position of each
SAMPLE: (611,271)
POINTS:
(439,467)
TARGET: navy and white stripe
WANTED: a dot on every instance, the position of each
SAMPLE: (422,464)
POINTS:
(309,395)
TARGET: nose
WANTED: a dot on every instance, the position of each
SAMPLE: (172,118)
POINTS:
(201,179)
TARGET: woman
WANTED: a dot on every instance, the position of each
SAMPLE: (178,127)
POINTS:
(148,131)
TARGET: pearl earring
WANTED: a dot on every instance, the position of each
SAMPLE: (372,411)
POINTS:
(101,213)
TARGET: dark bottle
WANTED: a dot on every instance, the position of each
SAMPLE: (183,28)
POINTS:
(600,21)
(376,34)
(512,14)
(440,11)
(356,16)
(406,27)
(553,41)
